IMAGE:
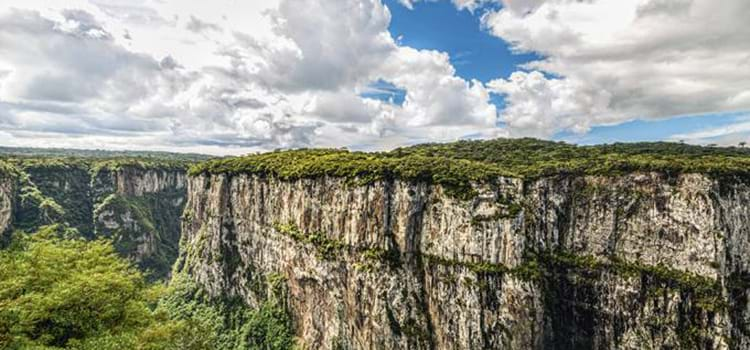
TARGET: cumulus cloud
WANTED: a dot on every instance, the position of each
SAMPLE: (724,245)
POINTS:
(73,61)
(609,61)
(198,26)
(470,5)
(277,74)
(537,104)
(230,76)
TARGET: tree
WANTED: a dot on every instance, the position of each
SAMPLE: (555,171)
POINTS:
(62,293)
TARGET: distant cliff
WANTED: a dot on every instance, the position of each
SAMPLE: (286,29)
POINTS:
(7,198)
(136,203)
(427,248)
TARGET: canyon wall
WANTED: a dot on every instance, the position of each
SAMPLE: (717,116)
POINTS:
(633,261)
(135,204)
(140,210)
(7,201)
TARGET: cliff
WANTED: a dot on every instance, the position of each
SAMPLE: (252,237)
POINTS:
(7,198)
(135,203)
(416,250)
(140,210)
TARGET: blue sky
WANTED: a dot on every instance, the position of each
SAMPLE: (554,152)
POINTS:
(230,77)
(440,26)
(476,54)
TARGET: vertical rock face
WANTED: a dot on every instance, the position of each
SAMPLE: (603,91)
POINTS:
(360,276)
(633,261)
(140,210)
(7,203)
(138,207)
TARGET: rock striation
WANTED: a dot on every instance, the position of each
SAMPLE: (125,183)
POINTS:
(638,260)
(140,210)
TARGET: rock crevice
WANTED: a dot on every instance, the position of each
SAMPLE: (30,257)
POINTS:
(632,261)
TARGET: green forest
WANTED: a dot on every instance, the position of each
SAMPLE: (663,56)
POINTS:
(61,292)
(455,165)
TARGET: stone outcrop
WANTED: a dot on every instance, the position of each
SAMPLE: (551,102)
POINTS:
(634,261)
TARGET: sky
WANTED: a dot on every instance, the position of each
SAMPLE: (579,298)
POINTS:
(231,77)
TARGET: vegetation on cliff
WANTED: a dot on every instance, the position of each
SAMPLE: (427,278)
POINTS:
(454,175)
(7,170)
(228,323)
(532,157)
(143,229)
(34,209)
(96,165)
(456,165)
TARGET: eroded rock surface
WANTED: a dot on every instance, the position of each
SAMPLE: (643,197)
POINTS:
(634,261)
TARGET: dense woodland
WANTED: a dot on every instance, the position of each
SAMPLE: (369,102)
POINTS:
(60,291)
(486,159)
(456,165)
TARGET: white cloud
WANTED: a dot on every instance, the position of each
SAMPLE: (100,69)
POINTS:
(281,73)
(187,75)
(731,134)
(470,5)
(617,60)
(536,104)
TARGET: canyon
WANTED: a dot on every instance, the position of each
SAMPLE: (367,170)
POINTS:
(135,204)
(418,250)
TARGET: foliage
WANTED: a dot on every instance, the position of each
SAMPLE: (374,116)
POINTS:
(34,208)
(326,248)
(70,190)
(62,293)
(100,154)
(150,220)
(58,293)
(67,184)
(706,292)
(228,323)
(456,165)
(532,157)
(455,175)
(94,165)
(7,170)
